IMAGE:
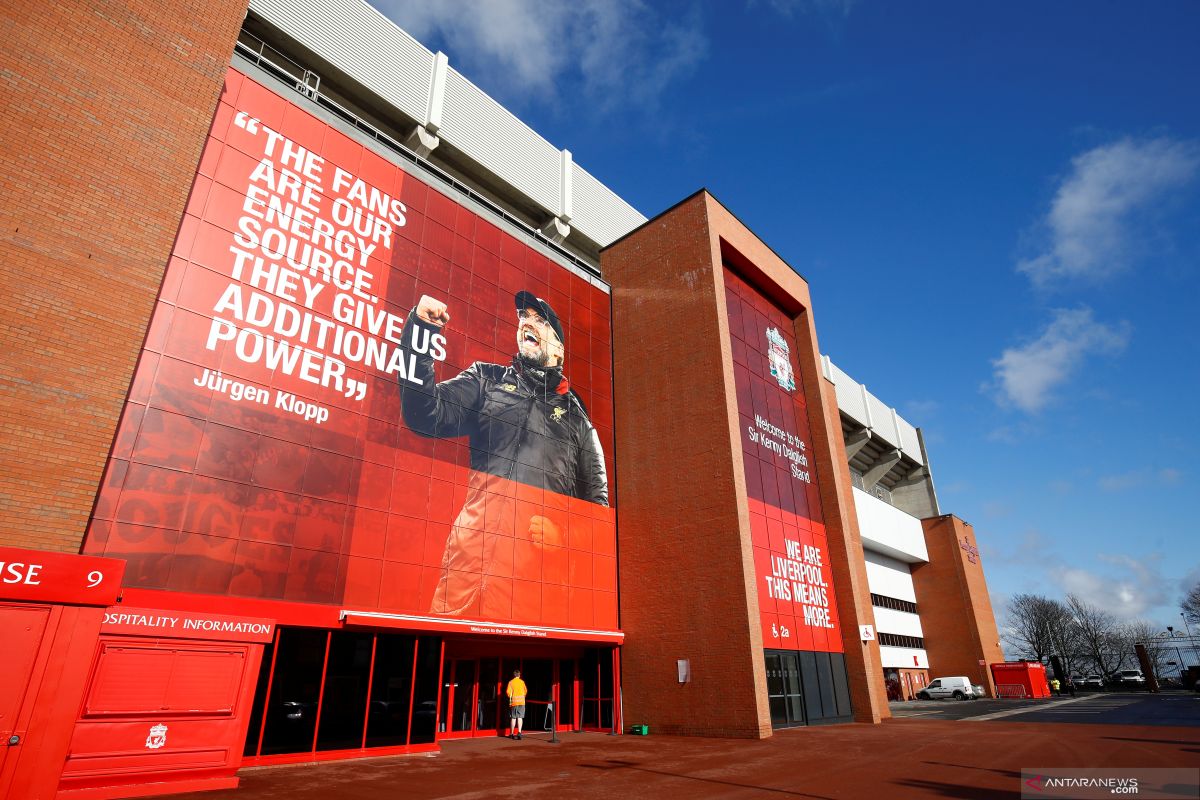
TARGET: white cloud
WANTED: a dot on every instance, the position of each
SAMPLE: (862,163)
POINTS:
(1128,590)
(1167,476)
(1091,225)
(825,8)
(997,509)
(614,51)
(1123,481)
(1027,376)
(921,409)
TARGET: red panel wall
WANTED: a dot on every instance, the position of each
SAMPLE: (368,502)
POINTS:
(791,554)
(172,713)
(262,451)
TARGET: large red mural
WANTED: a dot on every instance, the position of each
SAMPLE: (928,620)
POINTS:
(355,390)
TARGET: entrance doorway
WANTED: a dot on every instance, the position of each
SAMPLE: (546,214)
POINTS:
(473,701)
(806,688)
(784,695)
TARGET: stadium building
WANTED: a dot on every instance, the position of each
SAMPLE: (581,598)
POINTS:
(330,399)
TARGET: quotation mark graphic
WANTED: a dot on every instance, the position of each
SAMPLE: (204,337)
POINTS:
(246,122)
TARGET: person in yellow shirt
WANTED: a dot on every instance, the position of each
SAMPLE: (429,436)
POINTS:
(516,692)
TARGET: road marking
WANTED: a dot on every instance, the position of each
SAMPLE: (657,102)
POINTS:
(1012,712)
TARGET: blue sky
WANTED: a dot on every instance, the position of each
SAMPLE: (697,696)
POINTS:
(996,208)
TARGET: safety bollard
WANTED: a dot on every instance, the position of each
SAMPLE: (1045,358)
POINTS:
(553,721)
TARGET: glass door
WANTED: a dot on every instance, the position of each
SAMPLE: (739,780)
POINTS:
(489,707)
(566,694)
(784,695)
(458,698)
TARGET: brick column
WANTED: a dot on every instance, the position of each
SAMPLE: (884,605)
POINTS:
(107,105)
(956,611)
(688,585)
(686,577)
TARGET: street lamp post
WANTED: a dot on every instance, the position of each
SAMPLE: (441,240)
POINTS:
(1188,628)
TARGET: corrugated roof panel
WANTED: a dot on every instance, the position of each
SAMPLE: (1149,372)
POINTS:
(882,424)
(599,214)
(505,146)
(361,42)
(849,395)
(909,442)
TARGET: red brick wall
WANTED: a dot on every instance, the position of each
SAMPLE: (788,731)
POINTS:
(685,581)
(688,587)
(106,108)
(956,611)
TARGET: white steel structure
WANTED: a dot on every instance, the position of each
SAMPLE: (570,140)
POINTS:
(893,491)
(352,54)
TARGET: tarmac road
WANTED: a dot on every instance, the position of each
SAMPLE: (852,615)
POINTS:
(916,757)
(1112,708)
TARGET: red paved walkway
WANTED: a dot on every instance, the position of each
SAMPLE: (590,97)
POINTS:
(902,758)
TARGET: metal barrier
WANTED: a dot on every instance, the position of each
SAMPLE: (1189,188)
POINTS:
(1011,691)
(550,721)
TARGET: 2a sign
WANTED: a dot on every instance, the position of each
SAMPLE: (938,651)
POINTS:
(48,577)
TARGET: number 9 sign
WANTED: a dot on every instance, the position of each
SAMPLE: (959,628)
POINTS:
(48,577)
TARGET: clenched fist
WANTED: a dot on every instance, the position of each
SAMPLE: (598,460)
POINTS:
(432,311)
(543,530)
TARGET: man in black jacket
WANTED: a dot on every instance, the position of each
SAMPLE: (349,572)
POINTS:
(527,431)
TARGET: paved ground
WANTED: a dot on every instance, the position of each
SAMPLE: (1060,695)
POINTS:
(916,757)
(1128,708)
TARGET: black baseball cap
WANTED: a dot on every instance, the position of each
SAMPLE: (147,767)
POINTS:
(530,300)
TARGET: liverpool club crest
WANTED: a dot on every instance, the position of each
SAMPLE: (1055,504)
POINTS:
(157,737)
(781,363)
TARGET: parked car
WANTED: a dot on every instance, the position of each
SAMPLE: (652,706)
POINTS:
(1093,682)
(1129,679)
(959,687)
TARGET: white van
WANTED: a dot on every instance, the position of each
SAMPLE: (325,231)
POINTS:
(959,687)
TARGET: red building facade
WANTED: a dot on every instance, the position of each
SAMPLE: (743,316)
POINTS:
(293,470)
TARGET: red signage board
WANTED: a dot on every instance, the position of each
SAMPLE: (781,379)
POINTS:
(357,391)
(477,628)
(47,577)
(185,625)
(791,554)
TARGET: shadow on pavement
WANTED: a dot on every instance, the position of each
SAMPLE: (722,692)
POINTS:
(1008,773)
(959,790)
(1155,741)
(612,764)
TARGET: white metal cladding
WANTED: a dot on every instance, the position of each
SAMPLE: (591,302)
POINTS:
(869,411)
(505,146)
(882,424)
(369,48)
(361,42)
(901,623)
(889,577)
(903,658)
(598,213)
(909,442)
(849,396)
(888,530)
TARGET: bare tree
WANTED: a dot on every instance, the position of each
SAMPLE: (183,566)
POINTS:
(1098,636)
(1191,604)
(1025,629)
(1038,628)
(1159,649)
(1064,636)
